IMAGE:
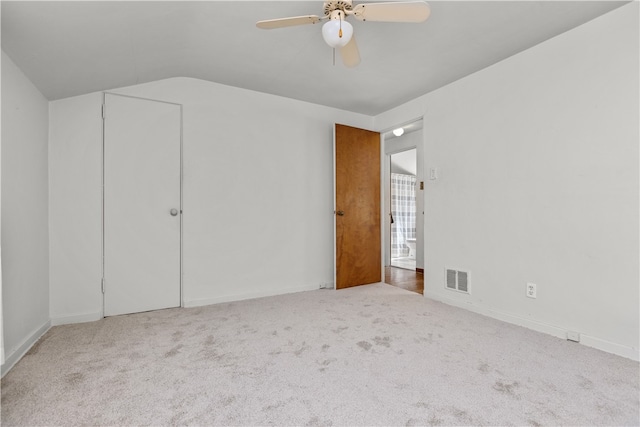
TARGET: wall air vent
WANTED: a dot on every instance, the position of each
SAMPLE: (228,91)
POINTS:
(452,279)
(457,280)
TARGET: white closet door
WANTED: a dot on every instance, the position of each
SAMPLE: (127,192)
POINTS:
(141,205)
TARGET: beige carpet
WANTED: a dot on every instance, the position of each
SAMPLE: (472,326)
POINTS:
(372,355)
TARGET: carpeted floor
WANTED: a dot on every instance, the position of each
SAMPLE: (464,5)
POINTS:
(371,355)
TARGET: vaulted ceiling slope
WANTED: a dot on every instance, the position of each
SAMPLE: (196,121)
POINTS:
(76,47)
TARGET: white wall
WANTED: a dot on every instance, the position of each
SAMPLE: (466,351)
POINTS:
(405,162)
(257,194)
(25,240)
(1,315)
(538,160)
(75,208)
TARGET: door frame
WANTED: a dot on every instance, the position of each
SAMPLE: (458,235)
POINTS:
(386,196)
(181,161)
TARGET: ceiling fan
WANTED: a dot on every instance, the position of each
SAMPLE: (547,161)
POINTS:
(338,33)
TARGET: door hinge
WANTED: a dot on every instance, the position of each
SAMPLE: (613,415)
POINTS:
(103,108)
(102,285)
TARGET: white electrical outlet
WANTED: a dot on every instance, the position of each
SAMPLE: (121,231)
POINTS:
(531,290)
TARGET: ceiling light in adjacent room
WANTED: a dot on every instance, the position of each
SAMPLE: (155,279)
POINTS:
(398,132)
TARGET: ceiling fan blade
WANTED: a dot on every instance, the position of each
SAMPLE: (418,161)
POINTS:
(411,11)
(350,53)
(270,24)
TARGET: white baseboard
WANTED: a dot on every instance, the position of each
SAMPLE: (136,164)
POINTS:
(248,295)
(600,344)
(76,318)
(24,347)
(610,347)
(327,285)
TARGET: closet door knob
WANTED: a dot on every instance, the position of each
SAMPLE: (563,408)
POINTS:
(173,212)
(340,213)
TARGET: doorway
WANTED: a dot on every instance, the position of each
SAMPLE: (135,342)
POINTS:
(142,212)
(399,144)
(402,186)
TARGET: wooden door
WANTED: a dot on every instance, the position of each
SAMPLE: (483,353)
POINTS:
(142,211)
(357,178)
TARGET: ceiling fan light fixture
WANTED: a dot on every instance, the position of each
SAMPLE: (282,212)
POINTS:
(398,132)
(337,33)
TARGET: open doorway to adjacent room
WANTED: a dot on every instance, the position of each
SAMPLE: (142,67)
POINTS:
(404,196)
(404,206)
(403,209)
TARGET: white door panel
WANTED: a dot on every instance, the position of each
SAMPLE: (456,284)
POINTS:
(142,186)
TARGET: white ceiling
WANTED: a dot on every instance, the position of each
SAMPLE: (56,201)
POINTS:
(77,47)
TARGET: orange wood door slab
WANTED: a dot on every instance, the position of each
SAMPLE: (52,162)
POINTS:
(358,243)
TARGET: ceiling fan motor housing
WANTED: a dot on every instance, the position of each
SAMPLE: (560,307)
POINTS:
(331,5)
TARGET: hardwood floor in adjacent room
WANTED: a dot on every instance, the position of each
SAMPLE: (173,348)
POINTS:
(405,279)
